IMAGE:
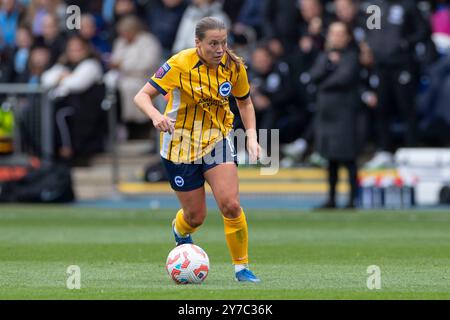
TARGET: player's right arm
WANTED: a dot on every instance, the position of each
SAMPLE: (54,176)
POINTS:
(143,100)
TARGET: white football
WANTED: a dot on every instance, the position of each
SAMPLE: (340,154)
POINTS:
(187,263)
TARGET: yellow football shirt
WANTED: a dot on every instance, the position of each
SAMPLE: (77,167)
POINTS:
(198,102)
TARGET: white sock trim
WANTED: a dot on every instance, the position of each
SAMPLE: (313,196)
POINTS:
(178,234)
(239,267)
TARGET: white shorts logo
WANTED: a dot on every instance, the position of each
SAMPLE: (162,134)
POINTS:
(179,181)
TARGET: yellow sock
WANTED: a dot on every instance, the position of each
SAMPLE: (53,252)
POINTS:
(181,226)
(236,234)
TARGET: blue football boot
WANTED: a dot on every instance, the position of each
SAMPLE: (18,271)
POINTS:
(246,275)
(180,240)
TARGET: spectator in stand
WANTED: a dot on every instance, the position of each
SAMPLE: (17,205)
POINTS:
(96,10)
(163,19)
(24,41)
(313,23)
(10,16)
(77,88)
(6,67)
(269,83)
(51,37)
(393,48)
(38,9)
(281,19)
(348,11)
(368,93)
(89,32)
(29,120)
(434,96)
(123,8)
(108,11)
(300,61)
(233,8)
(310,41)
(440,25)
(40,60)
(336,73)
(433,102)
(136,55)
(440,19)
(250,16)
(309,38)
(272,95)
(82,4)
(194,13)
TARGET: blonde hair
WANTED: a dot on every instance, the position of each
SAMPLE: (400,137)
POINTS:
(212,23)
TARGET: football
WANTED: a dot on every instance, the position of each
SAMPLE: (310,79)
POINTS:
(187,264)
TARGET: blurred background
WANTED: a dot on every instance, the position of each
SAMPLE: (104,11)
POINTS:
(370,106)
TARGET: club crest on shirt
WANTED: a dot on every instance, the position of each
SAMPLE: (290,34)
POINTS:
(161,72)
(225,89)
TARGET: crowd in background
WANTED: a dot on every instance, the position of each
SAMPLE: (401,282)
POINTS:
(335,87)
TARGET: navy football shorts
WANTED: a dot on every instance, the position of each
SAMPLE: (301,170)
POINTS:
(189,176)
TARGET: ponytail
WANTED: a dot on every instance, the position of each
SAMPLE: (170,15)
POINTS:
(232,57)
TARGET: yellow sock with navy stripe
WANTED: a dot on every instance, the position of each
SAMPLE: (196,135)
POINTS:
(182,228)
(236,235)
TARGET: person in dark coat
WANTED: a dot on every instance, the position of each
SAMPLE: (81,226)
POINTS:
(394,50)
(354,16)
(433,104)
(163,19)
(77,91)
(271,92)
(336,74)
(52,37)
(281,18)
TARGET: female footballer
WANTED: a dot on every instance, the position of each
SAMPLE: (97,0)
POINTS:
(195,129)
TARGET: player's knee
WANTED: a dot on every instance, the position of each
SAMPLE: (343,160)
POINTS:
(231,208)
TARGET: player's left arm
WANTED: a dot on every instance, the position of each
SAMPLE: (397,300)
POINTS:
(247,112)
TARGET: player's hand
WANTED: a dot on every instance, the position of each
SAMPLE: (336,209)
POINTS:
(253,148)
(62,76)
(115,65)
(164,123)
(371,100)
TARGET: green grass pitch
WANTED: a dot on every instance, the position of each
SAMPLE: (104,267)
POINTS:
(298,255)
